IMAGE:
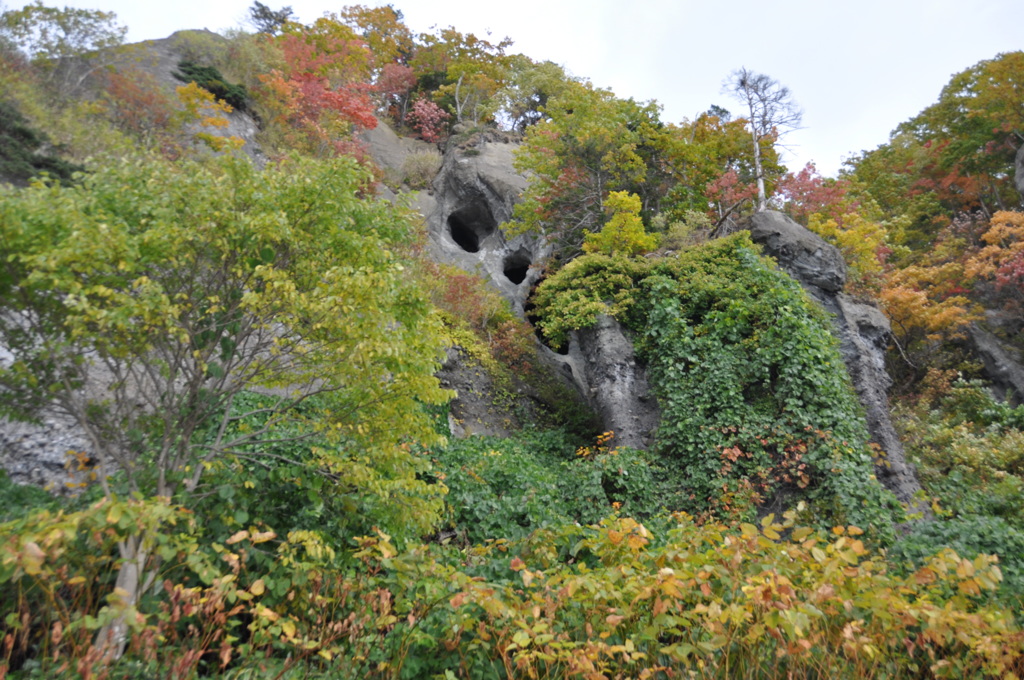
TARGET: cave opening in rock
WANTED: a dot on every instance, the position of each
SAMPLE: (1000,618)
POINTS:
(470,225)
(517,265)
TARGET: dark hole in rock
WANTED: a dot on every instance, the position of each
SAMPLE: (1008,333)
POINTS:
(471,224)
(517,265)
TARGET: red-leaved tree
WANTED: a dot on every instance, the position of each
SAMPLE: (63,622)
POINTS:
(321,96)
(428,119)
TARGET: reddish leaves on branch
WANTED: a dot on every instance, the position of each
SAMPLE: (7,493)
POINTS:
(428,119)
(321,91)
(808,193)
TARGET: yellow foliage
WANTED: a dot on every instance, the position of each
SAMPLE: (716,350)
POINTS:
(1005,239)
(858,238)
(624,233)
(922,300)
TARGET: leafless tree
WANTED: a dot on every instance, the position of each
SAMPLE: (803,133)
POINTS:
(772,111)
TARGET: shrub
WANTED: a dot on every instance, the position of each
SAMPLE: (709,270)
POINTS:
(428,119)
(210,79)
(970,537)
(419,169)
(508,488)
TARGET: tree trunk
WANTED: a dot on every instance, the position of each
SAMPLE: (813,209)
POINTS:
(762,201)
(112,638)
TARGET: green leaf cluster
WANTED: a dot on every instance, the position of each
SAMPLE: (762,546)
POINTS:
(508,488)
(756,407)
(190,284)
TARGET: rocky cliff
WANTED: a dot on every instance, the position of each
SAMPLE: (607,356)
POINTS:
(862,331)
(472,193)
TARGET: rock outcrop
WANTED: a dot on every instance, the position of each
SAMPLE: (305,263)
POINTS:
(1003,365)
(607,373)
(160,58)
(1018,175)
(474,193)
(862,330)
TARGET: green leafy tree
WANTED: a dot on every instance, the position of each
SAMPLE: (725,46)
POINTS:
(56,40)
(529,87)
(709,164)
(592,143)
(143,303)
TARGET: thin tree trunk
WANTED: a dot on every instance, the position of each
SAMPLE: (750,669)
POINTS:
(112,638)
(762,201)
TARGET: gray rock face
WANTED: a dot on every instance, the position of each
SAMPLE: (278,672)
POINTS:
(474,193)
(862,331)
(474,411)
(804,255)
(1018,175)
(1002,364)
(613,383)
(389,150)
(45,453)
(160,59)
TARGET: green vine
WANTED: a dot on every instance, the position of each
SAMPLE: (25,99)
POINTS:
(757,409)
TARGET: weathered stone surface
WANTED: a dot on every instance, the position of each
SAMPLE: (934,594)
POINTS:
(475,193)
(1002,364)
(614,383)
(862,331)
(475,409)
(160,59)
(800,252)
(1018,175)
(472,194)
(37,453)
(390,151)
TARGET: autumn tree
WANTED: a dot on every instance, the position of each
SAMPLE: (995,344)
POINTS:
(463,72)
(591,144)
(384,31)
(772,112)
(971,134)
(1000,262)
(321,94)
(956,156)
(145,301)
(394,87)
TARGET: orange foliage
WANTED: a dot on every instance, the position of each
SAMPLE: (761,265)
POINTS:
(137,102)
(927,302)
(1002,260)
(321,95)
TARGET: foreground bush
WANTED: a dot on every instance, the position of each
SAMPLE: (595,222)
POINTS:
(608,600)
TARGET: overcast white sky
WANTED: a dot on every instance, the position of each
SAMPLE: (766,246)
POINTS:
(857,69)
